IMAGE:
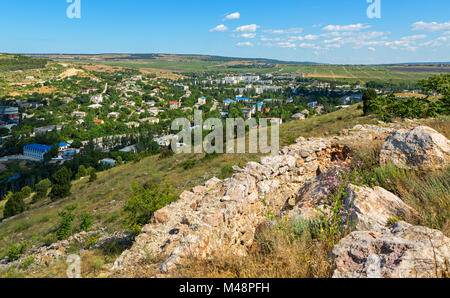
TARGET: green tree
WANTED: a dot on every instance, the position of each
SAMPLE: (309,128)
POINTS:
(52,153)
(92,175)
(15,204)
(61,184)
(369,97)
(82,172)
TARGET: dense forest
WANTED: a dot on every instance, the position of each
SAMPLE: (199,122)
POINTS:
(13,63)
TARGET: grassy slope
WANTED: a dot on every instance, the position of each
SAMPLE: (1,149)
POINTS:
(106,196)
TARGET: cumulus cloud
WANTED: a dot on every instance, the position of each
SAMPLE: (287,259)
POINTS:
(305,45)
(414,37)
(285,31)
(219,28)
(301,38)
(244,44)
(248,35)
(232,16)
(352,27)
(371,49)
(431,27)
(247,28)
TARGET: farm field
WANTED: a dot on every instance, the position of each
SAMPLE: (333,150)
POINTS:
(188,64)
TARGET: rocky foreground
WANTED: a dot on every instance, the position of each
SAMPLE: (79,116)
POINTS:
(224,216)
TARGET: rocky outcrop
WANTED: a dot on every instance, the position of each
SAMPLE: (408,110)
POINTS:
(224,215)
(402,251)
(420,148)
(369,208)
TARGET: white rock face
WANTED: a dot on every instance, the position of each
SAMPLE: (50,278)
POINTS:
(421,148)
(403,251)
(372,207)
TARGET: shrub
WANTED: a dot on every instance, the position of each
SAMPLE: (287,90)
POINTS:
(64,230)
(226,172)
(41,189)
(15,252)
(86,221)
(143,203)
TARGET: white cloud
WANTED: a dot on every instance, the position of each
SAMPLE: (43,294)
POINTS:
(232,16)
(431,27)
(289,45)
(371,49)
(263,38)
(285,31)
(307,45)
(248,35)
(219,28)
(414,37)
(352,27)
(247,28)
(301,38)
(244,44)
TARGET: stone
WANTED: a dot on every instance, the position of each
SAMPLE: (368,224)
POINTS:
(420,148)
(374,207)
(369,208)
(402,251)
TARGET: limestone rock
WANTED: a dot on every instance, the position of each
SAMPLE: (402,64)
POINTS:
(403,251)
(421,148)
(370,208)
(374,207)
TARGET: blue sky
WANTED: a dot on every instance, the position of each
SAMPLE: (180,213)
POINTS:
(327,31)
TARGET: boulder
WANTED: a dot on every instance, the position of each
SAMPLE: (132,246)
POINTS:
(374,207)
(370,208)
(421,148)
(402,251)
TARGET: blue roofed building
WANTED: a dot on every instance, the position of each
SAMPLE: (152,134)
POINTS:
(228,102)
(242,98)
(36,151)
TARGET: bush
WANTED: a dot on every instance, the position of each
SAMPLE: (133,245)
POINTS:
(64,230)
(226,172)
(86,221)
(143,203)
(16,251)
(42,189)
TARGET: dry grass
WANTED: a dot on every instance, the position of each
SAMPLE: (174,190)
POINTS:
(275,254)
(441,125)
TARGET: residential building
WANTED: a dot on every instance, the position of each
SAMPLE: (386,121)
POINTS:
(9,115)
(298,116)
(108,162)
(36,151)
(175,105)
